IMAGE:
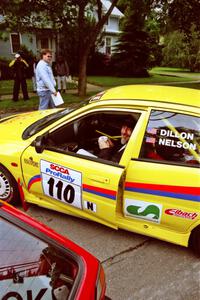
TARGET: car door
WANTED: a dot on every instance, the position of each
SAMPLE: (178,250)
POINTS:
(59,177)
(162,179)
(76,185)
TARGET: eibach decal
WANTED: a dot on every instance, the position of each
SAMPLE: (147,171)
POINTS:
(180,213)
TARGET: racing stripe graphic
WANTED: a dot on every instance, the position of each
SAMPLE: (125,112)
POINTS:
(181,192)
(100,191)
(33,180)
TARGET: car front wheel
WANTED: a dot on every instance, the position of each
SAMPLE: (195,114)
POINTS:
(8,187)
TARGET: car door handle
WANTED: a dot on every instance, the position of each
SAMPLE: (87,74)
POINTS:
(99,178)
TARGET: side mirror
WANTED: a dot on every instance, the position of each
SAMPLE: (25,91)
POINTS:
(39,143)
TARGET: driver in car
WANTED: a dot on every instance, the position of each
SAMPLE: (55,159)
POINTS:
(113,151)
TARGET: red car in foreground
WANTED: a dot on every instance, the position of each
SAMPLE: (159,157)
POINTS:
(37,263)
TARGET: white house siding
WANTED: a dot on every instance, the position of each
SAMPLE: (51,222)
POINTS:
(113,25)
(6,50)
(111,29)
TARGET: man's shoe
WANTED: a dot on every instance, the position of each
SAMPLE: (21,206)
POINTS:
(15,100)
(26,99)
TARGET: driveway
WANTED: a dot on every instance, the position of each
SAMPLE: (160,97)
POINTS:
(137,267)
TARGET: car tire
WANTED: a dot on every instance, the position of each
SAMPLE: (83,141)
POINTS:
(194,242)
(9,191)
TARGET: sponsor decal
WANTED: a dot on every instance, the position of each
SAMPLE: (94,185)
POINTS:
(180,213)
(143,210)
(90,206)
(31,162)
(61,183)
(59,171)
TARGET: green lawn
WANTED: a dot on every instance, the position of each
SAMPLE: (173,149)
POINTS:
(167,69)
(6,86)
(167,76)
(109,81)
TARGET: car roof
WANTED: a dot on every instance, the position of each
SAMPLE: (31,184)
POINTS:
(155,93)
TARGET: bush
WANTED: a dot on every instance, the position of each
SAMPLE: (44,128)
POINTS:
(98,64)
(124,66)
(5,71)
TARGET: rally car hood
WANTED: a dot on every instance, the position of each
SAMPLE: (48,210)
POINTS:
(13,126)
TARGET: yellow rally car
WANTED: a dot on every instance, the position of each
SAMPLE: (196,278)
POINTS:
(54,159)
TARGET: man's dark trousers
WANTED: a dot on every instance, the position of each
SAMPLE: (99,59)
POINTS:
(16,89)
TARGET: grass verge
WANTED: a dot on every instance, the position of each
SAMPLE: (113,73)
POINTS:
(179,77)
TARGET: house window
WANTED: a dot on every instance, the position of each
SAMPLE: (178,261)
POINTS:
(15,42)
(44,43)
(108,45)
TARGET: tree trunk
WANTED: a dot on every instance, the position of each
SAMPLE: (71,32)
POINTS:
(85,46)
(82,76)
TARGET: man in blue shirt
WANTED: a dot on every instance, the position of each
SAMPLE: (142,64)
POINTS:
(45,80)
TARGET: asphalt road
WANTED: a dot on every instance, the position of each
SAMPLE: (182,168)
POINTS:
(137,267)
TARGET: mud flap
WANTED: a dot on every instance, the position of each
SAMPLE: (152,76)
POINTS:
(25,205)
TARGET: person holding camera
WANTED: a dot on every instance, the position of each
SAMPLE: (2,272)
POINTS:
(19,66)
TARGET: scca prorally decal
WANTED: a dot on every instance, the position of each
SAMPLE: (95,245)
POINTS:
(60,172)
(143,210)
(61,183)
(179,213)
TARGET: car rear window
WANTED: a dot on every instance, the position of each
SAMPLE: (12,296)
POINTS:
(31,268)
(172,137)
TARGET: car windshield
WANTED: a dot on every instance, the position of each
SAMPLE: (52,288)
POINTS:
(47,120)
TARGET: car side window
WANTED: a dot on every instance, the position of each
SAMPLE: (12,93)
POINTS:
(87,135)
(172,137)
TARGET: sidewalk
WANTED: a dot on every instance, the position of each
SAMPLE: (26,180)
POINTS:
(193,76)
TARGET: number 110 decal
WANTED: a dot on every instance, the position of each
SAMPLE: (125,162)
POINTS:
(67,193)
(66,188)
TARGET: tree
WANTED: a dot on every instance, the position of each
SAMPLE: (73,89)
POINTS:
(178,52)
(23,15)
(134,53)
(182,41)
(174,51)
(87,38)
(184,14)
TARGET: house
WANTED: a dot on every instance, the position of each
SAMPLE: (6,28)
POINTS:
(45,38)
(40,39)
(111,29)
